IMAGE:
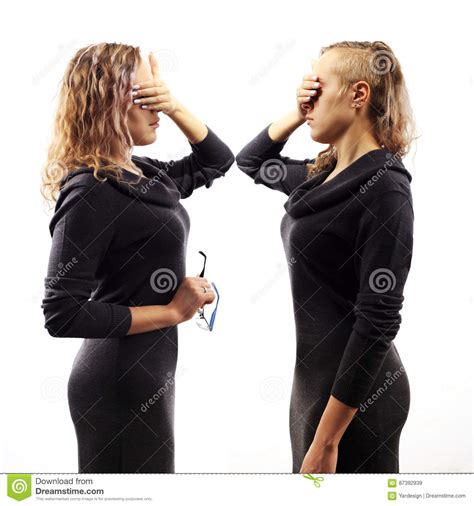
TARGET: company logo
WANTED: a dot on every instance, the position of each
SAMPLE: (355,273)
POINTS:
(19,486)
(315,479)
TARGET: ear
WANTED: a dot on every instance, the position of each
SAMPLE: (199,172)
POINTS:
(360,93)
(154,66)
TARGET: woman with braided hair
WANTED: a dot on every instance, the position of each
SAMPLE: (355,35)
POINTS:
(348,236)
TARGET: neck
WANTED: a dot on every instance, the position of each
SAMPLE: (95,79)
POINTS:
(356,142)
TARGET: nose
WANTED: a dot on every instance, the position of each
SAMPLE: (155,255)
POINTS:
(154,116)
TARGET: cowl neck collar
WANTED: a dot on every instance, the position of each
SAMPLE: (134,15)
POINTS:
(156,187)
(313,195)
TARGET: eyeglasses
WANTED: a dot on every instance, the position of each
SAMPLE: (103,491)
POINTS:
(201,321)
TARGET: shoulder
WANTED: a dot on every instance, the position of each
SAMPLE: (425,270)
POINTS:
(82,186)
(152,167)
(387,185)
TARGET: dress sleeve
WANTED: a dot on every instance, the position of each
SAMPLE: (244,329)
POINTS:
(82,230)
(261,160)
(382,258)
(211,158)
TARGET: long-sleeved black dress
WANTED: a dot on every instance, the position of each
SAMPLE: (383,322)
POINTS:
(348,243)
(121,244)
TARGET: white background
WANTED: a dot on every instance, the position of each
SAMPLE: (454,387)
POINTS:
(236,66)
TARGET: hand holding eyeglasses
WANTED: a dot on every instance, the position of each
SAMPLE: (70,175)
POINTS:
(201,320)
(193,293)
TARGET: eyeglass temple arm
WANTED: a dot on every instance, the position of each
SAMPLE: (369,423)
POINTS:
(204,267)
(213,315)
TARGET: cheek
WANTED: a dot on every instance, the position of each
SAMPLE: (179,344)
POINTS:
(140,130)
(332,110)
(136,119)
(330,119)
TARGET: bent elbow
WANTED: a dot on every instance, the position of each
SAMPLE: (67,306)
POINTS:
(246,164)
(241,160)
(229,162)
(56,323)
(53,329)
(61,317)
(378,317)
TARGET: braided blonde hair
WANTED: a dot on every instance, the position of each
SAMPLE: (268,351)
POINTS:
(389,108)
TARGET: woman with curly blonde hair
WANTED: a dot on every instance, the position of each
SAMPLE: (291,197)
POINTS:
(348,237)
(116,273)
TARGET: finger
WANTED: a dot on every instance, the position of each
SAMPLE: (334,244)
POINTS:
(154,65)
(306,93)
(204,285)
(151,90)
(148,84)
(310,85)
(310,77)
(209,298)
(158,106)
(201,281)
(155,99)
(198,278)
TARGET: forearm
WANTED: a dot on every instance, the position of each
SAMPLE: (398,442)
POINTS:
(281,129)
(334,422)
(194,129)
(149,318)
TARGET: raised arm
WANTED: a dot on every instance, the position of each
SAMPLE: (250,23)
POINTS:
(260,158)
(210,159)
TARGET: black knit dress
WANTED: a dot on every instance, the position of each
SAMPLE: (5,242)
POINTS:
(123,243)
(348,244)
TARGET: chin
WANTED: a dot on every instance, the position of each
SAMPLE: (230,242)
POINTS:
(144,140)
(315,135)
(320,137)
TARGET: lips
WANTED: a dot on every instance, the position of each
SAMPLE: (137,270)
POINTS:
(155,123)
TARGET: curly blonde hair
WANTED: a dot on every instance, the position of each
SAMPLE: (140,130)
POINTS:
(91,115)
(389,107)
